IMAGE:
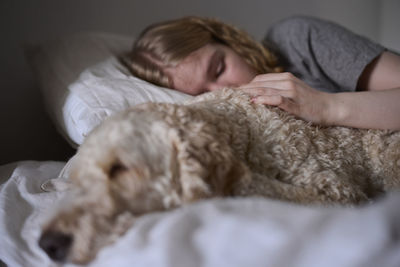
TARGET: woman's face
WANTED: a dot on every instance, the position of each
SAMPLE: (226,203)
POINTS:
(212,67)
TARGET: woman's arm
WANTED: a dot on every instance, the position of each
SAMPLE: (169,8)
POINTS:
(378,106)
(378,103)
(368,109)
(382,73)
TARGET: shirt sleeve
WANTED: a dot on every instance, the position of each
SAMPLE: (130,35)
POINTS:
(323,54)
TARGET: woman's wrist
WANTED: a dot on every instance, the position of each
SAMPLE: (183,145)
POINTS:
(336,110)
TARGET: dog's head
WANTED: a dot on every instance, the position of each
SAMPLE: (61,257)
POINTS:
(151,158)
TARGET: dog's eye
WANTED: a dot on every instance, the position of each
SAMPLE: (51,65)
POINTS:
(116,169)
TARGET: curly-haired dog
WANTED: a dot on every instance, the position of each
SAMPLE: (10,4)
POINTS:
(155,157)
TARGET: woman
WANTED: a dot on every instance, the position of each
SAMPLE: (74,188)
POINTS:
(332,76)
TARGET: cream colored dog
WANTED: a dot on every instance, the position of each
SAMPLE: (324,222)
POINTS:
(156,157)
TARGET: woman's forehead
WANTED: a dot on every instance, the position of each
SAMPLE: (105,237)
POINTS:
(191,72)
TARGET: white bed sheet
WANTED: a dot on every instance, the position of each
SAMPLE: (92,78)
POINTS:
(221,232)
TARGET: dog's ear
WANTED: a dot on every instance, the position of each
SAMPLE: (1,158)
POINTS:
(56,185)
(206,164)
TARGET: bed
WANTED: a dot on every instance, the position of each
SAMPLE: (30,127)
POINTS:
(83,82)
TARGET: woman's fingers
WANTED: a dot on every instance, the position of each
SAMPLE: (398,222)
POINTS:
(289,93)
(274,77)
(272,91)
(281,81)
(277,100)
(276,84)
(272,100)
(266,91)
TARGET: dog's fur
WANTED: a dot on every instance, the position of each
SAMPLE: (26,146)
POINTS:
(155,157)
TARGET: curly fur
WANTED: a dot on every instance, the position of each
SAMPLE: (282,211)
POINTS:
(159,156)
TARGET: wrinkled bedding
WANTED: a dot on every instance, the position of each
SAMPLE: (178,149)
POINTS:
(220,232)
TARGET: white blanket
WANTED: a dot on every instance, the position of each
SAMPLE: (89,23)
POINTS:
(220,232)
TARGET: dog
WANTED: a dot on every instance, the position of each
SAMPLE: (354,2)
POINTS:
(160,156)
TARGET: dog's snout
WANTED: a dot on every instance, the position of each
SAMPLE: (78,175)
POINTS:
(56,244)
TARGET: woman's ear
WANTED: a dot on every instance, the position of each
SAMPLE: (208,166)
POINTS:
(207,165)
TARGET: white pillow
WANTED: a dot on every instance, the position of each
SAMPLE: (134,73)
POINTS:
(82,81)
(105,89)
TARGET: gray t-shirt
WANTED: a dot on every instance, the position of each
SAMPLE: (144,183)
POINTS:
(325,55)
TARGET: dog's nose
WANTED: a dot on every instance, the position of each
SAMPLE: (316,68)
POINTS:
(56,244)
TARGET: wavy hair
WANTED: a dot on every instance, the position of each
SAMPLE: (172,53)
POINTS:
(168,43)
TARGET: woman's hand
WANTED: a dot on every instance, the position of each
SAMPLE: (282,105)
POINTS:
(375,106)
(289,93)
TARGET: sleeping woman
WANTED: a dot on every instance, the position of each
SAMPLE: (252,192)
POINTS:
(314,69)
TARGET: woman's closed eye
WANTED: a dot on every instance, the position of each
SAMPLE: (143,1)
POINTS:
(217,65)
(219,70)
